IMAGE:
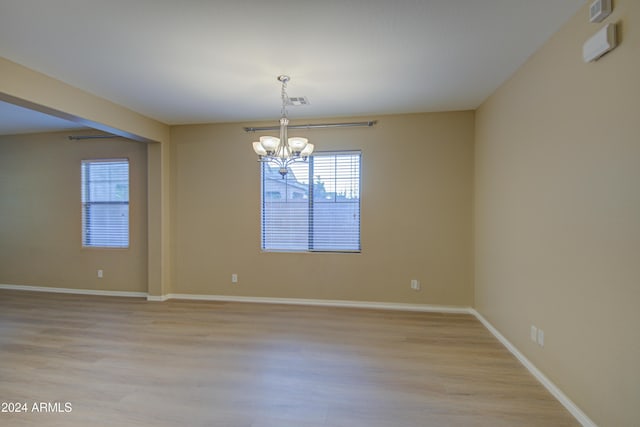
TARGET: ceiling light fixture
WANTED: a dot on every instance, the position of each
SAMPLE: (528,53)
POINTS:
(284,150)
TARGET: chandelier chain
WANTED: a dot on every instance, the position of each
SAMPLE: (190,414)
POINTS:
(284,96)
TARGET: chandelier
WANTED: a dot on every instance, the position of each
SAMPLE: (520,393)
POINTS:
(284,150)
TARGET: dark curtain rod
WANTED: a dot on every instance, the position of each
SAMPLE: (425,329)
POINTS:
(311,126)
(80,137)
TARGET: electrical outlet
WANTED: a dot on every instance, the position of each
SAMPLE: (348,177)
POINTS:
(234,278)
(534,334)
(540,337)
(99,274)
(415,285)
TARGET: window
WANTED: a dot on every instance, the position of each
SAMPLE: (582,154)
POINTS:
(105,203)
(315,207)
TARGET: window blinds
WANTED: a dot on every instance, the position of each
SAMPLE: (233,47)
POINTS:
(315,207)
(105,203)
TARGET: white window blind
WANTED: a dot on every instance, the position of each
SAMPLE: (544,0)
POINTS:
(105,203)
(315,207)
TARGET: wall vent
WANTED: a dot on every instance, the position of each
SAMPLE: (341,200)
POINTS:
(599,10)
(297,101)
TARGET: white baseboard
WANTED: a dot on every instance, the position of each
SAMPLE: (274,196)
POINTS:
(74,291)
(156,298)
(262,300)
(546,382)
(317,302)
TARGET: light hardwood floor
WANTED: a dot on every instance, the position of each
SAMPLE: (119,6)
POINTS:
(129,362)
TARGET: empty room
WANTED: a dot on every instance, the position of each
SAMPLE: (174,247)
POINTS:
(320,214)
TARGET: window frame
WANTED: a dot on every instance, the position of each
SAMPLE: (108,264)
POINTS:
(311,202)
(83,204)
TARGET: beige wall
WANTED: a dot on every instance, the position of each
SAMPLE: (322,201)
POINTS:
(40,215)
(557,196)
(416,215)
(31,89)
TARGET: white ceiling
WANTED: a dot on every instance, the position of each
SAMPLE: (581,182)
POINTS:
(15,120)
(197,61)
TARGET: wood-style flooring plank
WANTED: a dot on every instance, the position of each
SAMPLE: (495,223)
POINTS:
(129,362)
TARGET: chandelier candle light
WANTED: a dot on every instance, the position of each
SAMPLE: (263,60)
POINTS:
(284,150)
